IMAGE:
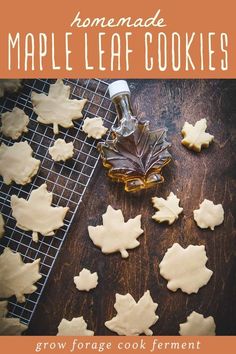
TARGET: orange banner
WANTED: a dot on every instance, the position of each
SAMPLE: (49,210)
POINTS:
(115,345)
(142,39)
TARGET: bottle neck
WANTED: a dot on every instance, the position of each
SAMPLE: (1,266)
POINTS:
(123,106)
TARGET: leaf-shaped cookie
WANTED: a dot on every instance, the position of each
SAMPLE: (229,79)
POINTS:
(195,136)
(36,214)
(185,268)
(209,215)
(86,280)
(75,327)
(197,325)
(1,225)
(133,318)
(14,123)
(138,158)
(61,151)
(57,108)
(94,127)
(9,85)
(17,164)
(9,326)
(16,277)
(115,234)
(169,209)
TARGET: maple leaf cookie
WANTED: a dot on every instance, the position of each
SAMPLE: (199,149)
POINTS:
(195,136)
(185,268)
(209,215)
(133,318)
(9,85)
(115,234)
(169,209)
(16,277)
(9,326)
(36,214)
(57,108)
(198,325)
(14,123)
(86,280)
(61,151)
(17,164)
(94,127)
(75,327)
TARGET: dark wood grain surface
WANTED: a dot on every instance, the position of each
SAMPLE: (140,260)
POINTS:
(192,177)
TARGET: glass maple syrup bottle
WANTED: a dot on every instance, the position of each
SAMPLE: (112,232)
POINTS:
(136,155)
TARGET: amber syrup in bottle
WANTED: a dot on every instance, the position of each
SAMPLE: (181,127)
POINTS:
(136,155)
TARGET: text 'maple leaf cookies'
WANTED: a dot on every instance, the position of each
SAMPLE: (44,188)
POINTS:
(75,327)
(198,325)
(57,108)
(16,277)
(185,268)
(169,209)
(1,225)
(195,136)
(115,234)
(133,318)
(86,280)
(94,127)
(61,150)
(17,164)
(36,214)
(209,215)
(14,123)
(9,326)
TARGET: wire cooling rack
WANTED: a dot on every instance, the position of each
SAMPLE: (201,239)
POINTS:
(67,180)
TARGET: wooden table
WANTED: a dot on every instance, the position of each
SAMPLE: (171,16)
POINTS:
(192,177)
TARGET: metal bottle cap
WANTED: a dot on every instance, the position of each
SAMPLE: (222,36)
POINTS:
(118,87)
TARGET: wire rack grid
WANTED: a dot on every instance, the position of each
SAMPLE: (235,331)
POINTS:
(67,180)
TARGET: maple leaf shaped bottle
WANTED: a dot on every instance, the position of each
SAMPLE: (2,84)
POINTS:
(136,155)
